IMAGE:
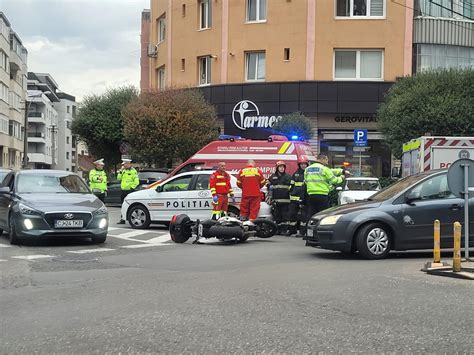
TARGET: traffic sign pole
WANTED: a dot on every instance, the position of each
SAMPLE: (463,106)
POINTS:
(466,210)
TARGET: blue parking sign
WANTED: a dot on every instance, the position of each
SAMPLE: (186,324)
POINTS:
(360,137)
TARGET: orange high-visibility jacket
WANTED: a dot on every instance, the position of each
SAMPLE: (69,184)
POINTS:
(219,183)
(250,180)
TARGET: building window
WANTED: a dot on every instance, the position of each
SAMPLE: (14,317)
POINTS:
(358,65)
(4,92)
(161,78)
(360,8)
(286,54)
(67,109)
(255,66)
(4,62)
(256,10)
(161,29)
(205,70)
(183,10)
(67,155)
(4,125)
(183,64)
(67,140)
(205,18)
(440,56)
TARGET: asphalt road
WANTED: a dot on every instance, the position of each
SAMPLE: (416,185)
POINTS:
(140,293)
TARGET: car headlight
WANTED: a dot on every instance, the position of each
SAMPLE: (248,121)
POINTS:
(24,209)
(330,220)
(101,210)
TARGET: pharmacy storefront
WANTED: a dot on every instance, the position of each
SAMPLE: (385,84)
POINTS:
(335,109)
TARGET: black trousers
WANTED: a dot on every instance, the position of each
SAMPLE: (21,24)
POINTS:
(297,212)
(124,194)
(316,203)
(100,196)
(280,213)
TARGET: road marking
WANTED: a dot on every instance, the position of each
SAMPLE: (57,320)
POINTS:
(5,246)
(129,236)
(159,240)
(2,260)
(147,245)
(32,257)
(117,228)
(85,251)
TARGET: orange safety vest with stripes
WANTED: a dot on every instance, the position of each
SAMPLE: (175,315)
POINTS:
(250,180)
(219,183)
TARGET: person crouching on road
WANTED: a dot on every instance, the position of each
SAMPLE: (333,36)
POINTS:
(279,188)
(250,180)
(221,189)
(319,180)
(297,200)
(128,177)
(98,180)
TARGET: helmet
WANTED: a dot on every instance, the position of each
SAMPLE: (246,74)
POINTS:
(280,162)
(302,160)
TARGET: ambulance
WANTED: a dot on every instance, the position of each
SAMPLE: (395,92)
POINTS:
(427,153)
(236,151)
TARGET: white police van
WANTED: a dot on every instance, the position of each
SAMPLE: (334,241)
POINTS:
(186,193)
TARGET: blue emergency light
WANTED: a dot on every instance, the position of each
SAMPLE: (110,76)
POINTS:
(294,138)
(224,137)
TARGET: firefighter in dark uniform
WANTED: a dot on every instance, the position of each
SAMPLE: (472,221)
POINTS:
(279,187)
(297,200)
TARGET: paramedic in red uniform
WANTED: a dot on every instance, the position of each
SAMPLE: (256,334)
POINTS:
(219,183)
(250,180)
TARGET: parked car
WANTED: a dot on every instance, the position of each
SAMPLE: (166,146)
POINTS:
(146,177)
(399,217)
(38,203)
(357,189)
(186,193)
(3,174)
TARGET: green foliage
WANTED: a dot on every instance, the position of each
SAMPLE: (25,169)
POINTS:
(99,122)
(294,124)
(169,125)
(436,102)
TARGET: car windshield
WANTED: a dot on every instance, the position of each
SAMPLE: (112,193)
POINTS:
(37,183)
(362,185)
(2,175)
(397,187)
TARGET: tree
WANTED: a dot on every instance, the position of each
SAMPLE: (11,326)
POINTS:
(99,122)
(170,125)
(437,103)
(294,124)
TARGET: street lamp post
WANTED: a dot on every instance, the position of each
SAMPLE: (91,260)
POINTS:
(25,130)
(54,129)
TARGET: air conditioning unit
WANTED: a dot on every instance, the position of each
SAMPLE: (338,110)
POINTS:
(152,50)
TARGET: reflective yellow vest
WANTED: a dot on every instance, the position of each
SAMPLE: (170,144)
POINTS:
(98,180)
(128,179)
(319,179)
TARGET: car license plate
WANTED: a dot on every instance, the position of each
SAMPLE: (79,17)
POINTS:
(309,232)
(74,223)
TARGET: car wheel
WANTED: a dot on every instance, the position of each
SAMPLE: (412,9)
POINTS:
(138,217)
(373,241)
(14,239)
(99,239)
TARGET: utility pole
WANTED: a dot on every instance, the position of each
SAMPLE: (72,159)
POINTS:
(25,135)
(53,153)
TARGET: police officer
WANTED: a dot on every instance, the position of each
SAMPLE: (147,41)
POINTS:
(319,180)
(298,200)
(128,177)
(279,185)
(98,180)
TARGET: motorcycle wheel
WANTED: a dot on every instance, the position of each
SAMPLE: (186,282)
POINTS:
(180,229)
(265,228)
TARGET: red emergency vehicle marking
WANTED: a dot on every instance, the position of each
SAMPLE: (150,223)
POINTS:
(291,149)
(455,142)
(428,143)
(244,156)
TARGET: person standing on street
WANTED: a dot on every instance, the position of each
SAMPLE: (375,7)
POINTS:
(298,200)
(98,180)
(128,177)
(219,183)
(319,180)
(279,187)
(250,180)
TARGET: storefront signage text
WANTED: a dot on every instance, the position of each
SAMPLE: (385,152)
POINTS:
(355,119)
(246,115)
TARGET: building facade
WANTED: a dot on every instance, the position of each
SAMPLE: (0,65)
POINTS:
(13,86)
(67,143)
(144,48)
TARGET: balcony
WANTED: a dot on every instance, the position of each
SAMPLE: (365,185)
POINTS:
(36,117)
(39,158)
(15,61)
(36,137)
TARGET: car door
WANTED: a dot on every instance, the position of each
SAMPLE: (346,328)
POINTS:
(200,198)
(171,198)
(434,201)
(5,200)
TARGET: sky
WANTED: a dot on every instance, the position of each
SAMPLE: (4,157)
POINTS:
(86,45)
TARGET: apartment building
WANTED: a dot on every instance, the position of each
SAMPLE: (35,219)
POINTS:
(67,143)
(13,86)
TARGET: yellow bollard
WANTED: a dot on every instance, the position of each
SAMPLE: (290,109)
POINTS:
(437,245)
(457,247)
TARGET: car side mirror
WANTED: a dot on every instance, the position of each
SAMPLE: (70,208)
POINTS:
(339,188)
(159,188)
(5,190)
(412,196)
